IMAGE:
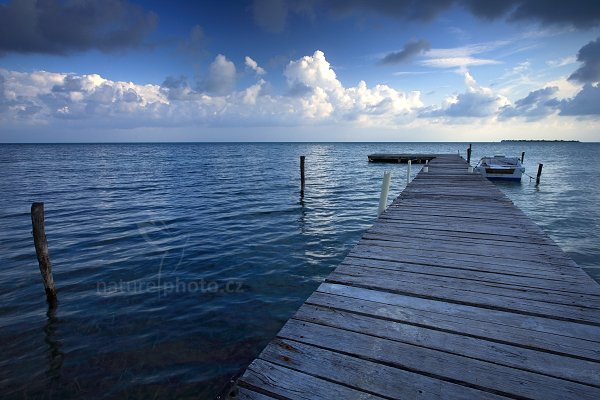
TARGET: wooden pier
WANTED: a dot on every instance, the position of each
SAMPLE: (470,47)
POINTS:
(401,158)
(452,294)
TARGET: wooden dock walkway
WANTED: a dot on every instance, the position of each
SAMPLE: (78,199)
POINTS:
(401,158)
(452,294)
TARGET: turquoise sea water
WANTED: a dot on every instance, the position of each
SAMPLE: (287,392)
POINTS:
(177,263)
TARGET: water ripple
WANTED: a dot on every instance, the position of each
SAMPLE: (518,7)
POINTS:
(176,263)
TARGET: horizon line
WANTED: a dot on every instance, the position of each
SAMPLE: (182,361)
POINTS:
(308,142)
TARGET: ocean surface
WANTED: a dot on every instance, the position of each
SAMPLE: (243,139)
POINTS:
(176,263)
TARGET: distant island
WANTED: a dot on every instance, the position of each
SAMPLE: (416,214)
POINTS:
(536,140)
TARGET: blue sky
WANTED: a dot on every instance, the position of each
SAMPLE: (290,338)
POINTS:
(264,70)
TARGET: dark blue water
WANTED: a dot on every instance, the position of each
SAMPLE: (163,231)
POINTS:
(177,263)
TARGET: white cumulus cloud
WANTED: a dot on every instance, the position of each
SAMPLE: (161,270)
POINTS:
(312,71)
(221,77)
(253,65)
(314,96)
(314,81)
(477,101)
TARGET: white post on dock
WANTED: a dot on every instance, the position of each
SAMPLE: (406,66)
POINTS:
(408,172)
(385,188)
(470,169)
(426,167)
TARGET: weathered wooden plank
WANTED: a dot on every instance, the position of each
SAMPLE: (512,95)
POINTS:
(500,221)
(247,394)
(586,337)
(472,249)
(362,250)
(456,206)
(579,302)
(471,327)
(558,366)
(415,213)
(456,203)
(276,381)
(393,250)
(457,209)
(503,278)
(467,293)
(449,196)
(494,253)
(424,236)
(490,255)
(458,231)
(365,375)
(516,250)
(471,227)
(410,229)
(467,371)
(451,191)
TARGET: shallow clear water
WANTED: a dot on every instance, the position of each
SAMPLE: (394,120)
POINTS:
(176,263)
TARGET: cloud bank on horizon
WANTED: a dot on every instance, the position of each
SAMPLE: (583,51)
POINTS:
(308,91)
(314,96)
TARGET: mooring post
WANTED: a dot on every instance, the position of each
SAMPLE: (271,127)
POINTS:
(469,154)
(539,174)
(41,249)
(408,172)
(522,157)
(385,188)
(302,176)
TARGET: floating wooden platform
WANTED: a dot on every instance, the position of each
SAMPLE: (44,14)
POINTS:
(401,158)
(452,294)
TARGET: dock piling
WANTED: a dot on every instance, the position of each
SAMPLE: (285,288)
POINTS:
(539,174)
(522,157)
(302,175)
(41,249)
(385,188)
(469,154)
(408,172)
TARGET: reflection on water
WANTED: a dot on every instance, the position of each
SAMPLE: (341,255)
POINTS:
(176,263)
(55,355)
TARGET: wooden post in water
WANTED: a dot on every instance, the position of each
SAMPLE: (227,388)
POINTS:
(522,157)
(41,249)
(539,174)
(385,189)
(302,176)
(408,171)
(469,154)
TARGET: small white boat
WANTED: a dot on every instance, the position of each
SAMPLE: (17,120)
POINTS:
(501,167)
